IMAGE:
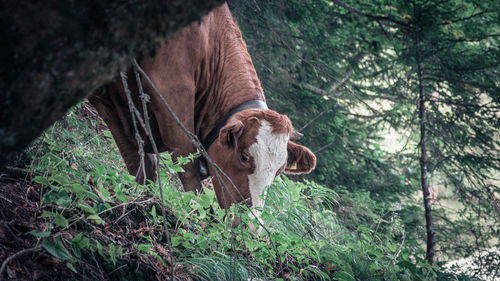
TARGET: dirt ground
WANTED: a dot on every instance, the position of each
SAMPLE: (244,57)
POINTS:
(19,209)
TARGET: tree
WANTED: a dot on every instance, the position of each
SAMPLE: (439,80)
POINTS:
(307,73)
(449,54)
(427,69)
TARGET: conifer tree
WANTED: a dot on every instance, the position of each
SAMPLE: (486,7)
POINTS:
(349,70)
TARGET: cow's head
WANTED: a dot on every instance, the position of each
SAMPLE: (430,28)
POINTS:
(252,149)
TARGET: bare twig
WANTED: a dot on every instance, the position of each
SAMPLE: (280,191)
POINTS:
(140,143)
(124,215)
(125,204)
(5,199)
(138,139)
(97,266)
(399,249)
(314,119)
(22,252)
(377,18)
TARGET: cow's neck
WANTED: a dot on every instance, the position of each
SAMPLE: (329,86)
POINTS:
(227,73)
(214,133)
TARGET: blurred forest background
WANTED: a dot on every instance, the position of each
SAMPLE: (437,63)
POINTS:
(399,99)
(400,102)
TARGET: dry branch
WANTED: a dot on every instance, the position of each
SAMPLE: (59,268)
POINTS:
(20,253)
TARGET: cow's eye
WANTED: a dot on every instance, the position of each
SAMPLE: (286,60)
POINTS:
(244,157)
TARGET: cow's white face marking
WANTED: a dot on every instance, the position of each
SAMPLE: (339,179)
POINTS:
(269,153)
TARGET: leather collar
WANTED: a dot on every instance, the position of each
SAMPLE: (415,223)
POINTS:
(214,133)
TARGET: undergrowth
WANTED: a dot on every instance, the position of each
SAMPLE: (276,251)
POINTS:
(103,225)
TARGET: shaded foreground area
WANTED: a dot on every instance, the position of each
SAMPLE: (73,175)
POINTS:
(55,53)
(18,214)
(30,212)
(21,213)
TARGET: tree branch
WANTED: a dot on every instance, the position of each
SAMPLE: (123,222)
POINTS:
(370,16)
(20,253)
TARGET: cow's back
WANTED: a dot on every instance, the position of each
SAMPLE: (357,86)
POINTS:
(202,72)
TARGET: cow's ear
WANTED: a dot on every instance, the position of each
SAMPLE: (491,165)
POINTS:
(300,159)
(230,134)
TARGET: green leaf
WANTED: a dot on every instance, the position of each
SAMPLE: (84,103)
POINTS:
(76,251)
(144,247)
(61,179)
(52,158)
(105,192)
(41,180)
(202,214)
(158,258)
(122,197)
(99,249)
(84,243)
(85,207)
(92,195)
(202,242)
(71,267)
(147,237)
(112,252)
(56,249)
(61,221)
(120,252)
(62,199)
(178,169)
(107,134)
(43,234)
(47,214)
(188,235)
(79,242)
(176,241)
(76,188)
(77,238)
(96,219)
(153,211)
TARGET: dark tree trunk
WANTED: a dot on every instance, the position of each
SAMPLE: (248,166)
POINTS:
(56,52)
(429,226)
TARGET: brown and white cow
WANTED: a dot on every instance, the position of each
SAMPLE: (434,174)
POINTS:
(207,77)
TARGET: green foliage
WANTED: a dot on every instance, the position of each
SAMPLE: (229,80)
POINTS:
(222,268)
(311,232)
(306,69)
(309,242)
(346,72)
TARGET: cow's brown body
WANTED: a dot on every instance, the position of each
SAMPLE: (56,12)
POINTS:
(202,72)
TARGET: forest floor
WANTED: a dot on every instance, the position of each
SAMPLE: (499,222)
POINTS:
(24,223)
(19,212)
(23,256)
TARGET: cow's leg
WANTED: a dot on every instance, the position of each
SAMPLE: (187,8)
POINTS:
(190,178)
(172,71)
(132,160)
(149,169)
(174,138)
(181,99)
(117,120)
